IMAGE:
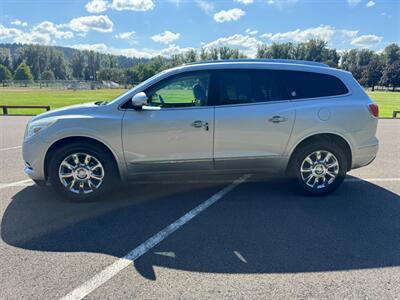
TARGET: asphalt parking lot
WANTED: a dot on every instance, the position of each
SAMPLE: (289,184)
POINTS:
(213,238)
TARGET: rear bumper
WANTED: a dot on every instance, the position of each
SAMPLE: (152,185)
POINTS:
(365,155)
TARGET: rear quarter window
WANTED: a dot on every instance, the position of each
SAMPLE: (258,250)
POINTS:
(302,85)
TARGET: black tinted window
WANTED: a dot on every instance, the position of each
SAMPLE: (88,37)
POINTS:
(311,85)
(249,86)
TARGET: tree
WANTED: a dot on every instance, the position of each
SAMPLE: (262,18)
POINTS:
(276,51)
(23,72)
(391,75)
(93,65)
(47,75)
(5,74)
(391,53)
(350,62)
(5,58)
(190,56)
(111,74)
(78,64)
(372,73)
(40,58)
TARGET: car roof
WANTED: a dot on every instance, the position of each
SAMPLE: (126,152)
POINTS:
(261,60)
(273,64)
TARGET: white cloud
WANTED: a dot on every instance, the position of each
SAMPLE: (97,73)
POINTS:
(251,32)
(99,23)
(8,32)
(173,49)
(370,4)
(205,6)
(96,6)
(18,36)
(247,44)
(349,33)
(353,2)
(166,37)
(323,32)
(125,35)
(245,2)
(91,47)
(233,14)
(386,15)
(19,23)
(131,52)
(176,2)
(40,34)
(51,29)
(136,5)
(366,41)
(281,4)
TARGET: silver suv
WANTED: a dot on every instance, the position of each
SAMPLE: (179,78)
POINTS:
(303,119)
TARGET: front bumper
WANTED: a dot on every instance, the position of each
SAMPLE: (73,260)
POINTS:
(33,152)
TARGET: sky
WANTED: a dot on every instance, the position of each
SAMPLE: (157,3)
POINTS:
(146,28)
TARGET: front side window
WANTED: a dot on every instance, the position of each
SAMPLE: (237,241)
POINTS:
(181,91)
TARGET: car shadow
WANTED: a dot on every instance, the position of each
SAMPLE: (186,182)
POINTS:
(260,227)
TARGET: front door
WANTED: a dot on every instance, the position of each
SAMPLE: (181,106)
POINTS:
(175,131)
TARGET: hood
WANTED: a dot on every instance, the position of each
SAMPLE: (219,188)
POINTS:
(69,110)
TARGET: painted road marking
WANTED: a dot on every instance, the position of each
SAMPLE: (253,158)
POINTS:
(10,148)
(371,179)
(113,269)
(26,182)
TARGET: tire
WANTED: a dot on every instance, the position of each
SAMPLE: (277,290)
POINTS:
(94,172)
(310,160)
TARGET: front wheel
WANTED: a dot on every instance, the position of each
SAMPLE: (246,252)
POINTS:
(82,172)
(319,168)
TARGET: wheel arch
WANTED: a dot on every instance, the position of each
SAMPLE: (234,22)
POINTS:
(83,139)
(332,137)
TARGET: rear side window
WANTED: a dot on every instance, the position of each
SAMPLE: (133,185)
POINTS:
(249,86)
(311,85)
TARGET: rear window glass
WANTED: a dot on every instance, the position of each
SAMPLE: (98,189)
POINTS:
(302,85)
(249,86)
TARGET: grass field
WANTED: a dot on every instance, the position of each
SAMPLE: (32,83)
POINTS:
(388,101)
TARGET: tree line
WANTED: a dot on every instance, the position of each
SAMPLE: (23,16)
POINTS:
(34,62)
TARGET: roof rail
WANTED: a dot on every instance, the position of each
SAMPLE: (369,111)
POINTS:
(285,61)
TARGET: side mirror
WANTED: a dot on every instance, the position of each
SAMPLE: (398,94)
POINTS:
(139,100)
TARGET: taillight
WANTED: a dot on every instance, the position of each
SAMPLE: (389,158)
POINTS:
(374,109)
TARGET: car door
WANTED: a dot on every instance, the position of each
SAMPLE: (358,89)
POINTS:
(174,132)
(253,120)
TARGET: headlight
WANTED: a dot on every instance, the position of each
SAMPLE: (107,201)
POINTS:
(36,126)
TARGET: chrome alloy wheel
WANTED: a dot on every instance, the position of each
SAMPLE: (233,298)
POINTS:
(81,173)
(319,169)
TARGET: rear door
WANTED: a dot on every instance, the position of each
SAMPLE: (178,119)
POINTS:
(253,119)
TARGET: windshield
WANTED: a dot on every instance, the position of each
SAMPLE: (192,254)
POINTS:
(137,87)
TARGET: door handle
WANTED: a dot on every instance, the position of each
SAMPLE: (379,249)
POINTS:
(199,124)
(277,119)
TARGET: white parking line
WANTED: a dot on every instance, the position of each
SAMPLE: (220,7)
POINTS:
(113,269)
(10,148)
(372,179)
(16,183)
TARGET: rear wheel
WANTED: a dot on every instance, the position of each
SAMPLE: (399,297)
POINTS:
(319,167)
(82,172)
